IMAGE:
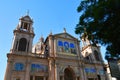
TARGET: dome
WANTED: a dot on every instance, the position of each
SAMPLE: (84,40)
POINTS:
(39,47)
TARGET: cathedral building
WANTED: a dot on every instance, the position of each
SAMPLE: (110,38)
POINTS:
(58,57)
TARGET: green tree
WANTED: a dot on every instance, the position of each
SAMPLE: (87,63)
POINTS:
(101,21)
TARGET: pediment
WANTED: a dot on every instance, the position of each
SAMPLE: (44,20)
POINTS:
(65,36)
(26,18)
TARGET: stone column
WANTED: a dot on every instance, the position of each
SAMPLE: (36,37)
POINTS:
(44,78)
(15,43)
(51,45)
(30,44)
(27,46)
(8,72)
(57,72)
(63,77)
(33,77)
(56,75)
(55,47)
(75,77)
(83,76)
(27,73)
(22,26)
(49,68)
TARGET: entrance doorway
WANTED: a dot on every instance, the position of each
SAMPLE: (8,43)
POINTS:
(92,79)
(69,74)
(36,77)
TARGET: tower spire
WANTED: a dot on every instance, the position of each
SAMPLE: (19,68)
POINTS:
(64,30)
(28,12)
(50,32)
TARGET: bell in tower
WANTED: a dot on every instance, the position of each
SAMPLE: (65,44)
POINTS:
(23,35)
(21,48)
(25,24)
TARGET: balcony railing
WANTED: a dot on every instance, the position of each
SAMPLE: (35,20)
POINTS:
(29,54)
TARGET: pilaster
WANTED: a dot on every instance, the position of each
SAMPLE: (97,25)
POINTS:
(27,73)
(51,69)
(8,72)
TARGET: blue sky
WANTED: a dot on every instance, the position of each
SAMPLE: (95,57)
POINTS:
(48,15)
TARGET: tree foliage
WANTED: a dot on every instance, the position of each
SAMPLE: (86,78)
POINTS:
(101,19)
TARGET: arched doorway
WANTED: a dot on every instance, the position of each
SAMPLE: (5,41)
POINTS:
(69,74)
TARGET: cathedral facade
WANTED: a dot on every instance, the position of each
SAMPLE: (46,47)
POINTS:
(58,57)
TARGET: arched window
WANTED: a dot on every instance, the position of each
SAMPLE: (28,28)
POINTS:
(88,56)
(60,43)
(66,46)
(69,74)
(97,56)
(22,44)
(25,26)
(60,46)
(39,67)
(72,48)
(19,66)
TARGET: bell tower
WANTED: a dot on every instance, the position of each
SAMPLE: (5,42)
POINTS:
(23,36)
(18,62)
(90,50)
